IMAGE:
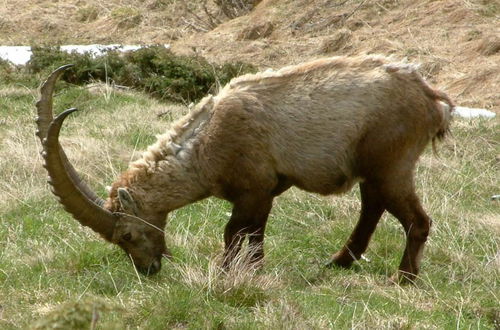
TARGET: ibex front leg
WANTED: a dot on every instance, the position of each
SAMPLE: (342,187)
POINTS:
(249,217)
(371,211)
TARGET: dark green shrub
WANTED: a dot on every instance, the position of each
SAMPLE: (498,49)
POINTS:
(155,70)
(87,67)
(13,74)
(6,68)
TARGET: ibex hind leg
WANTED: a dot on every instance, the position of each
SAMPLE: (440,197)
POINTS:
(406,207)
(371,211)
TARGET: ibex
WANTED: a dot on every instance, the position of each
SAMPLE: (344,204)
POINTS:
(321,126)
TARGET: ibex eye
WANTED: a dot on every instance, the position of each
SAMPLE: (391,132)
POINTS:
(127,237)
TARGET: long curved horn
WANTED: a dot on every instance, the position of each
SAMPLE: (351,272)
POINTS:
(86,211)
(73,193)
(45,117)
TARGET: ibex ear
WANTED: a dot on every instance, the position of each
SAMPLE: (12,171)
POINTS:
(127,202)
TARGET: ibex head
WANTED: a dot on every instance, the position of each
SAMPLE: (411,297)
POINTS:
(120,219)
(138,232)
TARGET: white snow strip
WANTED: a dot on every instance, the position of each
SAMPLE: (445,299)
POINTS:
(20,55)
(16,54)
(466,112)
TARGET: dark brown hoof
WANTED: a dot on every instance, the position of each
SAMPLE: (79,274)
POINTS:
(340,260)
(402,278)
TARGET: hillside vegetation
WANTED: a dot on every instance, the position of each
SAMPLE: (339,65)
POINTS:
(457,41)
(56,274)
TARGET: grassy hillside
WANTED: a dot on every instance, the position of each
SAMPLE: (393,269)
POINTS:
(56,274)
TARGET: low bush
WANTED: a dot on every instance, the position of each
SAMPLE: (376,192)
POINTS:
(12,74)
(155,70)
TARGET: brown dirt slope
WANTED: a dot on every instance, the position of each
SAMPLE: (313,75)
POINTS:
(457,41)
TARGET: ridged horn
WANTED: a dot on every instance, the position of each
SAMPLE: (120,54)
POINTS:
(83,209)
(45,117)
(44,105)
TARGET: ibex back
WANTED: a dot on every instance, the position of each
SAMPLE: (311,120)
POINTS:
(322,126)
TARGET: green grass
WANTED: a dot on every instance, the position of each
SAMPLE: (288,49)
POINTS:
(56,274)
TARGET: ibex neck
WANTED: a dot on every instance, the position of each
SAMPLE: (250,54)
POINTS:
(168,176)
(178,183)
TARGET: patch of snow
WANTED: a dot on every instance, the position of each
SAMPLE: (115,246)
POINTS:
(16,54)
(20,55)
(466,112)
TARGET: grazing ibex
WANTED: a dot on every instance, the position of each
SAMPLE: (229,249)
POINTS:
(321,126)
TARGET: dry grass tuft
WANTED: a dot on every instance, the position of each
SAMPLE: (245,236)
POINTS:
(284,313)
(489,45)
(87,14)
(126,17)
(340,40)
(257,31)
(242,276)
